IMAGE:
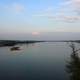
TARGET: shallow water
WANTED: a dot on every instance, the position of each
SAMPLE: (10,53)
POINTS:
(39,61)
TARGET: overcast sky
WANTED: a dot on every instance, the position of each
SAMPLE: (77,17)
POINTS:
(33,18)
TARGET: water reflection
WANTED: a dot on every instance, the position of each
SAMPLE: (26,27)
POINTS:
(18,47)
(21,49)
(73,65)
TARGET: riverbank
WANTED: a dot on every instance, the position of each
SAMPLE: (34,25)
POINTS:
(15,42)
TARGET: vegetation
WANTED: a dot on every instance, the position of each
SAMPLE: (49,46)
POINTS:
(73,66)
(15,42)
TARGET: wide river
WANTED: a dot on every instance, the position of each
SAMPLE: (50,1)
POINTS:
(39,61)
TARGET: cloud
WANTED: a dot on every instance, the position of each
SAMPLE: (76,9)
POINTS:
(14,8)
(18,7)
(71,18)
(67,11)
(75,4)
(48,12)
(60,17)
(35,33)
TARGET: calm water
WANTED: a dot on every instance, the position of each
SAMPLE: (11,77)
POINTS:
(40,61)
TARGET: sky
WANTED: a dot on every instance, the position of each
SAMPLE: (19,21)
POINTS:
(33,18)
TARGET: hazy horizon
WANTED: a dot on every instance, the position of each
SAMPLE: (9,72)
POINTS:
(42,36)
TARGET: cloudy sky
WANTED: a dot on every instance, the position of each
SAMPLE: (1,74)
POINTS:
(35,17)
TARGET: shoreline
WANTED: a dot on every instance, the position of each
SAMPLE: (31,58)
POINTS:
(15,42)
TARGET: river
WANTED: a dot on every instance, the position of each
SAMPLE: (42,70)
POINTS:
(39,61)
